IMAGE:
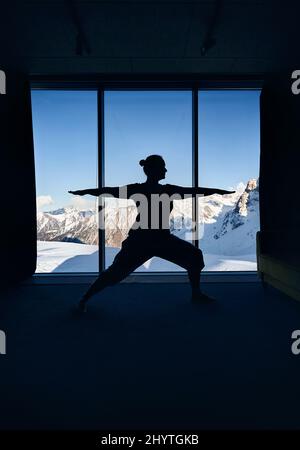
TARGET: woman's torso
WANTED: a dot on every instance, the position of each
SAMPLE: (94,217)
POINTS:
(154,206)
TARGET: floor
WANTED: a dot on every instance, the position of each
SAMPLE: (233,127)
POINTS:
(145,357)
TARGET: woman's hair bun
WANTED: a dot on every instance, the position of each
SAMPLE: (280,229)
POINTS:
(142,162)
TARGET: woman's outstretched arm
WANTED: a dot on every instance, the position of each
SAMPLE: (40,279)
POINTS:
(94,192)
(185,190)
(114,191)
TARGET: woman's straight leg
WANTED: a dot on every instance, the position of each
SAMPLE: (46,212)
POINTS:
(132,255)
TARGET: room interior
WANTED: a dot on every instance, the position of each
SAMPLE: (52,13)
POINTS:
(144,356)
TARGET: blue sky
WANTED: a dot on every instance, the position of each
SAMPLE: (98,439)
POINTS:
(138,123)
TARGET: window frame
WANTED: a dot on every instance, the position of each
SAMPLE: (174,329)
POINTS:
(101,83)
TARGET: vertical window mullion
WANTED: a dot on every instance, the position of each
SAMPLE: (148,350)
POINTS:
(195,161)
(101,232)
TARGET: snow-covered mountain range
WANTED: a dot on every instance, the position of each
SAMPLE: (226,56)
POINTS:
(67,224)
(228,223)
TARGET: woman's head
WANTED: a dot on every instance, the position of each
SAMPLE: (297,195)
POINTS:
(154,167)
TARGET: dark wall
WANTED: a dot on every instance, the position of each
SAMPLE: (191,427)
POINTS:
(280,155)
(18,205)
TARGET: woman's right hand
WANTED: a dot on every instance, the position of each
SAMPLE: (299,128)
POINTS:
(76,192)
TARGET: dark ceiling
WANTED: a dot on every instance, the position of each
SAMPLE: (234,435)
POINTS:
(206,37)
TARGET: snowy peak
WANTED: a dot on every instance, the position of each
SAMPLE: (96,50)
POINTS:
(71,210)
(229,222)
(245,212)
(242,204)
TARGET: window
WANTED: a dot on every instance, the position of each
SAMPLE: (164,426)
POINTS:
(138,124)
(220,150)
(229,159)
(65,143)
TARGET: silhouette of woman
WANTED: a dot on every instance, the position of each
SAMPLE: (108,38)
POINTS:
(145,240)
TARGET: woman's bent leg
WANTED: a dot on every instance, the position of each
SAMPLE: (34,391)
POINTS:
(186,255)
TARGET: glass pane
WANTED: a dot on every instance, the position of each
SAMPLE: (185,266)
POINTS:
(138,124)
(65,143)
(229,147)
